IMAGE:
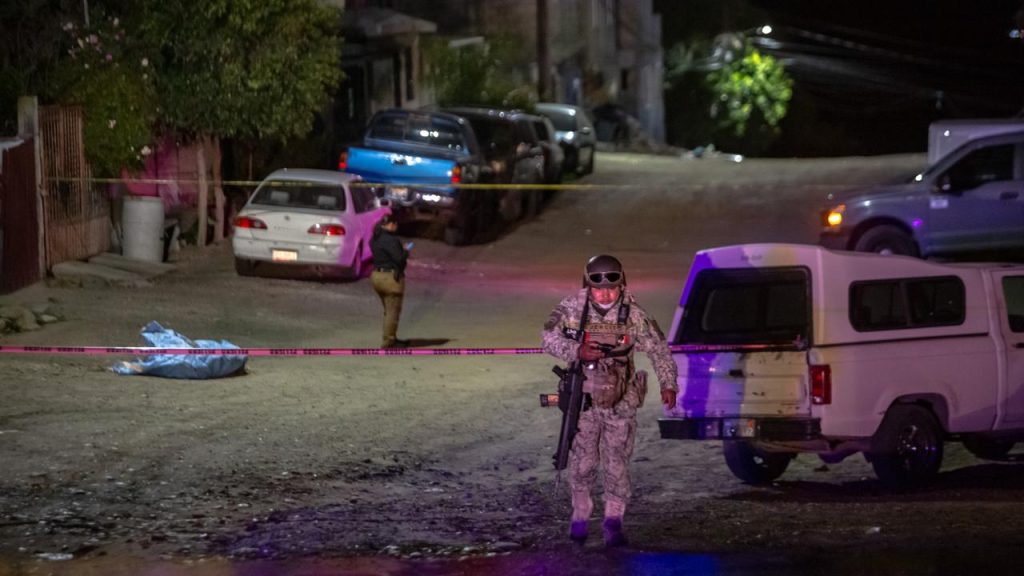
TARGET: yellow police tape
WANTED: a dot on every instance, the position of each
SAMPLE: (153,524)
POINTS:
(357,183)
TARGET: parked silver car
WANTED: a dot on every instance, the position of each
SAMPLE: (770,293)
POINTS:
(554,156)
(575,131)
(301,218)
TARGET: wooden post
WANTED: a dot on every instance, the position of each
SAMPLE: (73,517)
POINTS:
(28,127)
(218,193)
(203,200)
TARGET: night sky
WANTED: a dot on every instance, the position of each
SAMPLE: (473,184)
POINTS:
(870,74)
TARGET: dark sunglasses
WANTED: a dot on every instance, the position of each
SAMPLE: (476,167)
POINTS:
(605,277)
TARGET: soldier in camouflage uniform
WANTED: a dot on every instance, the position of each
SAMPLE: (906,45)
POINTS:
(614,328)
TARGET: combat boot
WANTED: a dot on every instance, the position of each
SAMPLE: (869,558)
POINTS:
(614,510)
(582,506)
(613,535)
(578,531)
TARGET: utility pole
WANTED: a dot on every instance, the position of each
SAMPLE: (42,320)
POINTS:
(542,50)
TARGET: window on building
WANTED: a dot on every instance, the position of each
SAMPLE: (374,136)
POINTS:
(410,89)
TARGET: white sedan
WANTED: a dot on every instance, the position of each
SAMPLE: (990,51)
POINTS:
(307,218)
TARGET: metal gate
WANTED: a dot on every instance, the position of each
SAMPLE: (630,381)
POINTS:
(19,230)
(77,211)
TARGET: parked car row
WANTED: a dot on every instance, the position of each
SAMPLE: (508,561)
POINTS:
(422,156)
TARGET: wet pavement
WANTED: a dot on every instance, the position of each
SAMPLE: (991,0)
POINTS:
(589,562)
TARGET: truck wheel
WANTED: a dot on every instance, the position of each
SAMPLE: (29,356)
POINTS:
(462,228)
(510,207)
(753,465)
(988,448)
(244,267)
(886,239)
(906,451)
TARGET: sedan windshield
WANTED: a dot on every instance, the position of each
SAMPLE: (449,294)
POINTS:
(301,194)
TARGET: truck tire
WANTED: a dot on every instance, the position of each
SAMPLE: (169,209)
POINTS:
(510,206)
(988,448)
(462,227)
(886,239)
(906,451)
(753,465)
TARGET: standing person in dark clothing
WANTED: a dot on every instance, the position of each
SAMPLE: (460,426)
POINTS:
(389,258)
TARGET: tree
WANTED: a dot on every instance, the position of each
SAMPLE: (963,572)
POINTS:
(105,73)
(753,89)
(725,92)
(249,69)
(480,74)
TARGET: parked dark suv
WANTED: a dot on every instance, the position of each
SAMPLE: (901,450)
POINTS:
(511,146)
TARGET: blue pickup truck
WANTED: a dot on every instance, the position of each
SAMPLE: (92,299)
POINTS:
(419,157)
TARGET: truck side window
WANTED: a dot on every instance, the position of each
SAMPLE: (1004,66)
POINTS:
(981,166)
(877,306)
(1013,294)
(906,303)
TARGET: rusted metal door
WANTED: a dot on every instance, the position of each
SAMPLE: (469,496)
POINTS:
(19,242)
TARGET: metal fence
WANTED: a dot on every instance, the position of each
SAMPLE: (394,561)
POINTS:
(77,212)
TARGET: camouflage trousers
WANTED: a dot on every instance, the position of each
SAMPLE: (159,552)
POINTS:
(605,437)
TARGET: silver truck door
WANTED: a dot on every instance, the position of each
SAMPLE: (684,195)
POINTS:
(979,202)
(1010,286)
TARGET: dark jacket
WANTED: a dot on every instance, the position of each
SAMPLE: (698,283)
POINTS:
(388,252)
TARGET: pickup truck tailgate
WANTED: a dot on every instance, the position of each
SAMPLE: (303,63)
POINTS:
(724,384)
(396,168)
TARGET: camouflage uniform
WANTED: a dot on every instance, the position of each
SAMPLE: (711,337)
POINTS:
(606,435)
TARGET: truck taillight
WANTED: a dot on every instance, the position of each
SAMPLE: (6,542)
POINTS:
(456,174)
(821,384)
(247,222)
(327,229)
(343,160)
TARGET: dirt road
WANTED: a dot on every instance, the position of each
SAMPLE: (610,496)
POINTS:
(435,457)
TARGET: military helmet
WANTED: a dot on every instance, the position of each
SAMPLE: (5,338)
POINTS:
(603,271)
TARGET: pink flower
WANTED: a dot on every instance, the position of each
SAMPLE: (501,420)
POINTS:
(109,57)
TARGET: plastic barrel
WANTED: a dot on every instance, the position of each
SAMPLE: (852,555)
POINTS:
(143,223)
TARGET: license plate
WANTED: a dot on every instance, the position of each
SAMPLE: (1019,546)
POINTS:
(400,192)
(284,255)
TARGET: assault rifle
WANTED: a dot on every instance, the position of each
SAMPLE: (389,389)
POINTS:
(570,401)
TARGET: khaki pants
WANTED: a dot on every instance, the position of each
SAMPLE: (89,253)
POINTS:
(390,292)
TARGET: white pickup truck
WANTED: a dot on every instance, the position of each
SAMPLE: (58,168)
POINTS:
(786,348)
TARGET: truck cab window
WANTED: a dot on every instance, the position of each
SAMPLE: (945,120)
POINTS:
(981,166)
(1013,294)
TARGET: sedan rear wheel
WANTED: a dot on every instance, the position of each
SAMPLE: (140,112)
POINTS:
(244,266)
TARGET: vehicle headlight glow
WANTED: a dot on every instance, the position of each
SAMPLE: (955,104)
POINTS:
(431,197)
(834,217)
(570,136)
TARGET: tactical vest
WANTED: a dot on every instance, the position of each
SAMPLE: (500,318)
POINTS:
(607,379)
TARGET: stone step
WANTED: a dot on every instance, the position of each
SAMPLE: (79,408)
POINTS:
(140,267)
(94,275)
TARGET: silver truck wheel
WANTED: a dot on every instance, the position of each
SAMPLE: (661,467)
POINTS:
(988,448)
(886,239)
(906,451)
(753,465)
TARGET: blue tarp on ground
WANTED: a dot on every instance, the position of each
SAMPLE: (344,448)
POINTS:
(181,366)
